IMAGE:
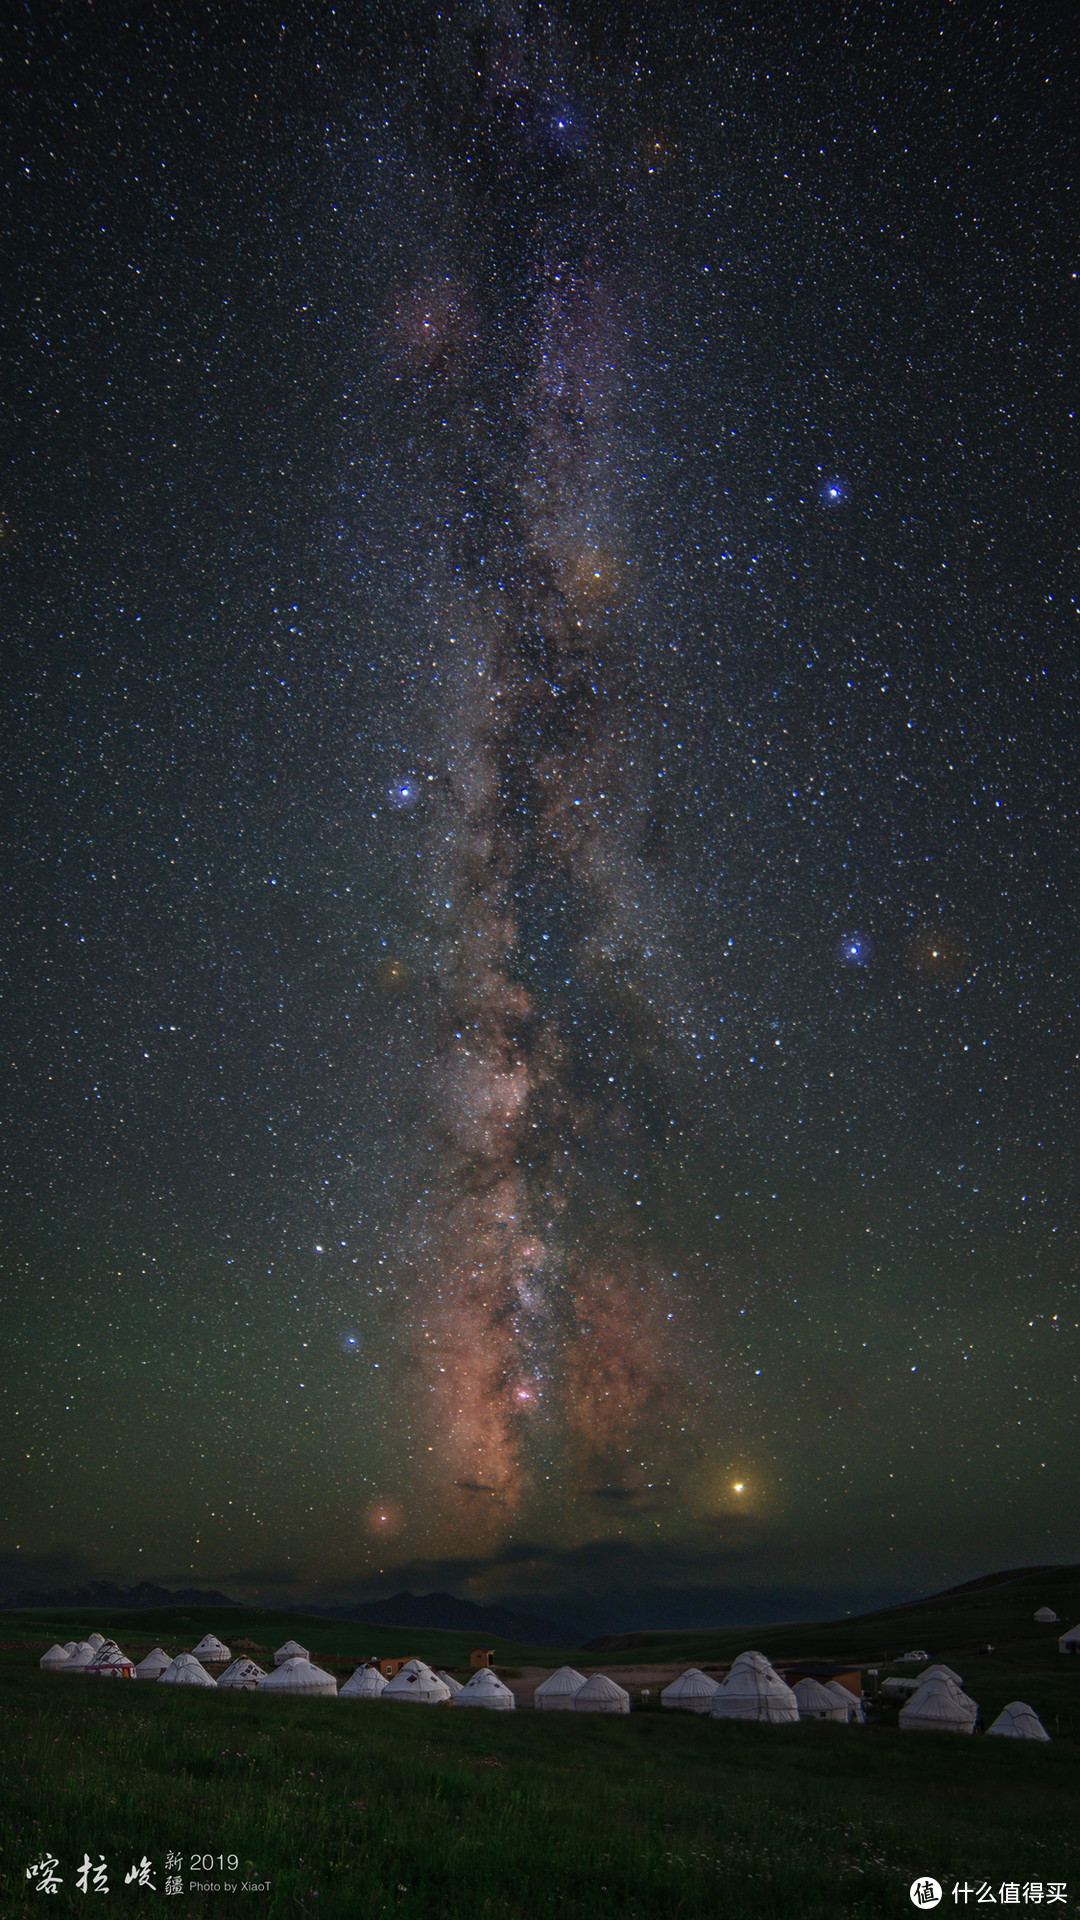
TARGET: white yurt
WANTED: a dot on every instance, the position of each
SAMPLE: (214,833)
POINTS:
(815,1702)
(941,1673)
(211,1651)
(485,1689)
(152,1665)
(851,1703)
(749,1694)
(1070,1642)
(297,1675)
(1046,1617)
(556,1693)
(601,1695)
(95,1640)
(418,1683)
(367,1683)
(242,1677)
(292,1650)
(78,1661)
(1018,1721)
(939,1707)
(109,1663)
(55,1658)
(756,1661)
(692,1692)
(70,1647)
(185,1671)
(448,1681)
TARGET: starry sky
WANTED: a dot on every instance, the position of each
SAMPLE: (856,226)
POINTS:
(540,619)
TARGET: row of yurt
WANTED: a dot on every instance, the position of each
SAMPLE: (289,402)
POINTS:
(84,1656)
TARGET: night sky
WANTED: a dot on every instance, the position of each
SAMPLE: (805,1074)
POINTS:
(540,634)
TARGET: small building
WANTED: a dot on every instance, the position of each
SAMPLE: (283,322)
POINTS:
(1046,1617)
(391,1668)
(482,1657)
(1070,1642)
(824,1671)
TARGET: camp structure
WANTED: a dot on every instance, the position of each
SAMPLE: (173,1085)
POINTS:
(78,1661)
(1070,1642)
(815,1702)
(242,1677)
(485,1689)
(297,1675)
(1046,1617)
(109,1663)
(1018,1721)
(52,1661)
(939,1707)
(692,1692)
(292,1650)
(750,1694)
(212,1651)
(448,1681)
(185,1671)
(418,1683)
(95,1640)
(601,1695)
(941,1673)
(367,1683)
(70,1647)
(757,1661)
(851,1702)
(556,1693)
(895,1687)
(152,1665)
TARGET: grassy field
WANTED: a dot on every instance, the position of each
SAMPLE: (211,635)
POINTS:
(344,1810)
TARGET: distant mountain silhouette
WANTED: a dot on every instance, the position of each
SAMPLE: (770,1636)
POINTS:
(102,1593)
(423,1610)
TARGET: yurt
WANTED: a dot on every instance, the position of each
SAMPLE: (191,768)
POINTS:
(939,1708)
(70,1647)
(418,1683)
(1070,1642)
(367,1683)
(692,1692)
(1046,1617)
(242,1677)
(212,1651)
(556,1693)
(448,1681)
(1018,1721)
(485,1689)
(292,1650)
(940,1673)
(78,1661)
(297,1675)
(185,1671)
(756,1661)
(109,1663)
(815,1702)
(95,1640)
(748,1694)
(52,1661)
(601,1695)
(851,1703)
(152,1665)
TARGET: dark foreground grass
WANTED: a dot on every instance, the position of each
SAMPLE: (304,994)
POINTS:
(354,1810)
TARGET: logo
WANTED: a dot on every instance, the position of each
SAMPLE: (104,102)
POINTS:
(924,1892)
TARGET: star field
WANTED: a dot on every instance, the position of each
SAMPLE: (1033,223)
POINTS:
(540,637)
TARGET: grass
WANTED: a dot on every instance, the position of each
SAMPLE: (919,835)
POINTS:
(350,1810)
(342,1809)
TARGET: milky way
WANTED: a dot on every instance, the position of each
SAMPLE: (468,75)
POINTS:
(538,1353)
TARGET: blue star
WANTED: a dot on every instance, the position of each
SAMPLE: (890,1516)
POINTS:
(854,949)
(404,794)
(834,491)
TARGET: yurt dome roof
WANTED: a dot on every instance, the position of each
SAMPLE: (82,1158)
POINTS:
(297,1675)
(485,1689)
(601,1695)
